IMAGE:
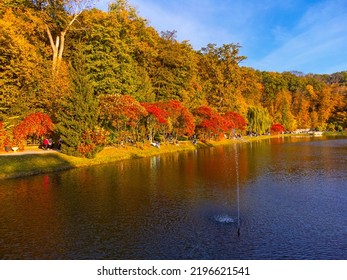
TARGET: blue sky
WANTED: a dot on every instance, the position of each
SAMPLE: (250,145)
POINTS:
(276,35)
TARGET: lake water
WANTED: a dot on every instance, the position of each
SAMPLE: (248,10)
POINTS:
(292,205)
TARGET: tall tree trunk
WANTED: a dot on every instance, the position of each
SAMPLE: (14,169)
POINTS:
(61,48)
(57,48)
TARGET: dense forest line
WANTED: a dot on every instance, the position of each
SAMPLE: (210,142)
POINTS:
(93,77)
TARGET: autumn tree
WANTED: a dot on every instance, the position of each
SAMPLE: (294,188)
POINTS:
(139,44)
(25,67)
(180,120)
(124,55)
(251,87)
(21,61)
(174,70)
(209,123)
(34,125)
(301,110)
(234,122)
(155,119)
(325,107)
(9,136)
(277,128)
(338,117)
(283,110)
(122,115)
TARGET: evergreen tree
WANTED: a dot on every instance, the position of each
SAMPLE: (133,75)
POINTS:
(78,119)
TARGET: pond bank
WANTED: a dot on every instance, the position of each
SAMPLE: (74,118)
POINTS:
(35,161)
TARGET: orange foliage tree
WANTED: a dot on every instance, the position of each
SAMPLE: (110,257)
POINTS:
(91,140)
(122,114)
(34,125)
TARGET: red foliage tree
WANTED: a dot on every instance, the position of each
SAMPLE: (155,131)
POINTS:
(156,118)
(122,113)
(209,123)
(159,114)
(277,128)
(34,125)
(180,121)
(234,121)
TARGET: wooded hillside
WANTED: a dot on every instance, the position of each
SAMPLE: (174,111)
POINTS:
(103,77)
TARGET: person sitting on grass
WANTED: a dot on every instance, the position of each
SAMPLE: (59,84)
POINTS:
(45,144)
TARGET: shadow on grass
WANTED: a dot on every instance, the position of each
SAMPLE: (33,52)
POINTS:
(135,156)
(204,144)
(26,165)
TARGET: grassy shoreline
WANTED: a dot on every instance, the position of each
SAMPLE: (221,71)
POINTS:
(21,164)
(25,164)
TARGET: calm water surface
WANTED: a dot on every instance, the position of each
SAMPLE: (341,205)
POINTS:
(293,205)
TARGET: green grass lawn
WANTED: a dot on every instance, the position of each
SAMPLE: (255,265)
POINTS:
(23,165)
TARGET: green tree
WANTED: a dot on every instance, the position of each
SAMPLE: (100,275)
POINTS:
(78,119)
(273,83)
(221,77)
(282,110)
(174,70)
(110,51)
(258,120)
